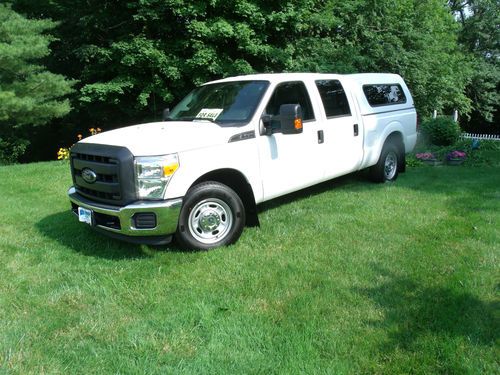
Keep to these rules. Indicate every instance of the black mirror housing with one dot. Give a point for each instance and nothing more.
(291, 118)
(266, 122)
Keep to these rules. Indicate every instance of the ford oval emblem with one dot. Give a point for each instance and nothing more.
(89, 176)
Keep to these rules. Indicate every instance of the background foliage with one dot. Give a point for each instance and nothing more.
(29, 95)
(133, 58)
(440, 131)
(480, 36)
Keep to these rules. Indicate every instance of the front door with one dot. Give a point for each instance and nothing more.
(289, 162)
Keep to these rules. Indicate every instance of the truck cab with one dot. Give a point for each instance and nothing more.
(234, 143)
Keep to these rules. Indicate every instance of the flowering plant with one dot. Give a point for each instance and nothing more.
(425, 156)
(63, 153)
(454, 155)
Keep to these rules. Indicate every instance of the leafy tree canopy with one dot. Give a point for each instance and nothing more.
(480, 35)
(134, 57)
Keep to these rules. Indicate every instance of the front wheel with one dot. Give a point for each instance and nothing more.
(387, 167)
(212, 215)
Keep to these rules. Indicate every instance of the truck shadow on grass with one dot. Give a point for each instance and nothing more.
(412, 313)
(64, 228)
(458, 185)
(357, 181)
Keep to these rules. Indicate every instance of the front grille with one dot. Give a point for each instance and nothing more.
(99, 194)
(113, 168)
(96, 158)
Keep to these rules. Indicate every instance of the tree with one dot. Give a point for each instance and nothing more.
(480, 35)
(134, 58)
(415, 38)
(29, 94)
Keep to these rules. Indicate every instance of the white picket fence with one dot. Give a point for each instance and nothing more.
(489, 137)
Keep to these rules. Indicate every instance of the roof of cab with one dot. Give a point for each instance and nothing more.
(360, 78)
(274, 77)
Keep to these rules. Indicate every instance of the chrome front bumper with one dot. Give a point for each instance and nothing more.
(167, 215)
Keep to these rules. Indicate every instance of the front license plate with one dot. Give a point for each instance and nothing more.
(85, 215)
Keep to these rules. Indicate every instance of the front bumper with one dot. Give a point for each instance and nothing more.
(119, 222)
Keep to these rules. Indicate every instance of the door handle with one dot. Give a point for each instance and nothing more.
(356, 130)
(321, 136)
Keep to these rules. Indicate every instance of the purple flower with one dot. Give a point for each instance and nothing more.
(425, 156)
(456, 155)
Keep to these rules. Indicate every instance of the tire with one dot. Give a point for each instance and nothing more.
(388, 165)
(212, 215)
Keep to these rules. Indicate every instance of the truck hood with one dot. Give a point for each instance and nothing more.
(159, 138)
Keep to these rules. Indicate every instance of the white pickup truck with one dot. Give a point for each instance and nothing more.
(234, 143)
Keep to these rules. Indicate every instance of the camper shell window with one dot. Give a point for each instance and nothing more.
(384, 94)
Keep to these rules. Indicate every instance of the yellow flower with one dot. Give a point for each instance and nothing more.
(63, 154)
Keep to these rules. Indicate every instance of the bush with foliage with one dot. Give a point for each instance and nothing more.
(135, 58)
(11, 148)
(440, 131)
(30, 95)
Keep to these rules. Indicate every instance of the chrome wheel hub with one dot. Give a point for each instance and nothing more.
(390, 165)
(210, 220)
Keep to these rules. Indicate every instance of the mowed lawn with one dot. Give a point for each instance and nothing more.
(346, 278)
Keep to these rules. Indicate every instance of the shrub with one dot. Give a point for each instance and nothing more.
(11, 148)
(441, 131)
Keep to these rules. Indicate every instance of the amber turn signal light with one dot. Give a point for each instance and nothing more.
(298, 123)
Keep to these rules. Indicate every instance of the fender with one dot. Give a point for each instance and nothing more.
(238, 156)
(377, 133)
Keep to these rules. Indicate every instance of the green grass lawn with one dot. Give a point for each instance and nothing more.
(346, 278)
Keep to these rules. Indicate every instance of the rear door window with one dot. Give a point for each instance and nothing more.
(334, 98)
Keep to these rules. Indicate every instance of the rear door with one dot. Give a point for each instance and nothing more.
(342, 128)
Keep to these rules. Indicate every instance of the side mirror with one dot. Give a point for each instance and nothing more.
(166, 113)
(291, 118)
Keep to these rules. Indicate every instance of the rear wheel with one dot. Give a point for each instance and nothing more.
(212, 215)
(387, 167)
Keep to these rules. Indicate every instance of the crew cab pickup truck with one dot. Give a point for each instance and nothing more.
(234, 143)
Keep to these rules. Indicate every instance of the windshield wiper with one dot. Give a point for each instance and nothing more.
(193, 118)
(205, 119)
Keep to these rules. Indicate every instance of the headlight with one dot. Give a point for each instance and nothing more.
(152, 174)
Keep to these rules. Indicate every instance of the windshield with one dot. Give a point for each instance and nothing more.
(222, 103)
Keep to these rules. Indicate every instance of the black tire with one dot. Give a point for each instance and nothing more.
(388, 165)
(212, 215)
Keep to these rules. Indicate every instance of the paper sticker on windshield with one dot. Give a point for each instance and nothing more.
(209, 113)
